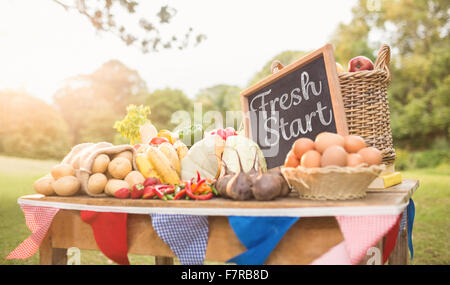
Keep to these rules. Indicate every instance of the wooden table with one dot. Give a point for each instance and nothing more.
(310, 237)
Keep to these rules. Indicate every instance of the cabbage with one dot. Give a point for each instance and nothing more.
(201, 157)
(247, 150)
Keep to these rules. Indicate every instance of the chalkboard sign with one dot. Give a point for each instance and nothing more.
(302, 99)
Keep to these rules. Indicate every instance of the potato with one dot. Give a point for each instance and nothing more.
(61, 170)
(66, 186)
(115, 184)
(125, 154)
(119, 167)
(44, 185)
(100, 163)
(97, 183)
(134, 177)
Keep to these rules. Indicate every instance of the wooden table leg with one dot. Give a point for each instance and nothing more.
(49, 255)
(163, 260)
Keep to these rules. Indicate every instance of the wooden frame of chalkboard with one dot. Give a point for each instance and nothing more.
(299, 82)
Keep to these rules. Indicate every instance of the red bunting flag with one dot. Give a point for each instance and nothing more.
(391, 240)
(110, 232)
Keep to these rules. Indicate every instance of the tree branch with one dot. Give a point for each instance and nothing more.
(102, 20)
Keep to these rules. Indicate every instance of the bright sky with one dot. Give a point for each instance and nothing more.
(41, 44)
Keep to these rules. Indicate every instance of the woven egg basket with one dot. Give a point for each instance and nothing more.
(366, 105)
(331, 182)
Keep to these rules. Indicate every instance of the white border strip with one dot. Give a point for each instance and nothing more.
(262, 212)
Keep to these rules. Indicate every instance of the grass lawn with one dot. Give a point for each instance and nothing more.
(431, 232)
(430, 235)
(16, 179)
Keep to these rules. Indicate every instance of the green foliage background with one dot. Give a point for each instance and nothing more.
(30, 127)
(165, 102)
(418, 34)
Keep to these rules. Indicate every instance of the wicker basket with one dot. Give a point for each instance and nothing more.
(367, 107)
(331, 182)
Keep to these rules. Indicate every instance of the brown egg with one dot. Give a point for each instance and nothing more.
(353, 144)
(301, 146)
(371, 155)
(334, 155)
(326, 139)
(310, 159)
(291, 160)
(354, 159)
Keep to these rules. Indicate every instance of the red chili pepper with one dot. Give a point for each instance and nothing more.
(188, 187)
(200, 197)
(198, 185)
(168, 191)
(205, 196)
(198, 176)
(165, 189)
(190, 194)
(197, 197)
(159, 193)
(180, 194)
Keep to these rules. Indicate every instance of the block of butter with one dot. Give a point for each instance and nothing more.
(386, 180)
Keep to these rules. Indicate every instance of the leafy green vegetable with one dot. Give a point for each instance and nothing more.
(135, 118)
(190, 135)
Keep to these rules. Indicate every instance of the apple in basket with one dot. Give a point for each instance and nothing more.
(360, 63)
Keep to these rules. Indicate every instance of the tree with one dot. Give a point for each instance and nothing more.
(31, 128)
(420, 71)
(352, 39)
(418, 33)
(224, 99)
(92, 103)
(286, 57)
(118, 84)
(164, 103)
(147, 35)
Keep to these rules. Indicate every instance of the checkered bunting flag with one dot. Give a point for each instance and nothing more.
(186, 235)
(38, 220)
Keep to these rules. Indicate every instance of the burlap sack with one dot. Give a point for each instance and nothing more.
(82, 156)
